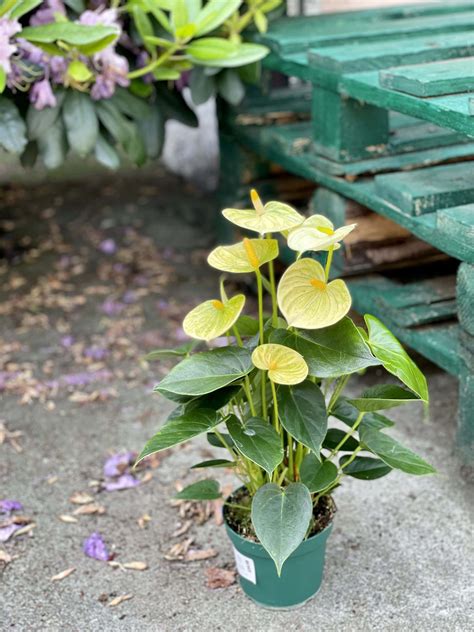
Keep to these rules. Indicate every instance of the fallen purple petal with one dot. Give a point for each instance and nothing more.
(7, 532)
(129, 297)
(67, 341)
(126, 481)
(96, 353)
(84, 378)
(110, 307)
(117, 464)
(94, 546)
(108, 246)
(8, 506)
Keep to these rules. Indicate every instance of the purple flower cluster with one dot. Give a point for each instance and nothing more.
(28, 68)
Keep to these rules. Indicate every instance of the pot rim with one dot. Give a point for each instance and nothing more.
(305, 544)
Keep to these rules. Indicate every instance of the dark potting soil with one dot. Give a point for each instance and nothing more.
(240, 522)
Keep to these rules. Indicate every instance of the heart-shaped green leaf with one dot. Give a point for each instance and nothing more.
(393, 453)
(207, 371)
(281, 518)
(302, 413)
(180, 429)
(257, 440)
(383, 396)
(202, 490)
(316, 475)
(348, 413)
(216, 441)
(365, 468)
(394, 358)
(329, 352)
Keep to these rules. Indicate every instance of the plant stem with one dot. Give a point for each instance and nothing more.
(351, 458)
(247, 387)
(347, 435)
(282, 476)
(340, 386)
(291, 466)
(262, 337)
(328, 262)
(271, 274)
(139, 72)
(276, 421)
(237, 506)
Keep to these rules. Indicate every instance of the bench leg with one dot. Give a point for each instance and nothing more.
(465, 305)
(465, 433)
(345, 129)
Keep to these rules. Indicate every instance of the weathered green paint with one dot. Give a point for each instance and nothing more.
(465, 297)
(362, 56)
(426, 190)
(458, 224)
(344, 129)
(448, 111)
(465, 432)
(431, 79)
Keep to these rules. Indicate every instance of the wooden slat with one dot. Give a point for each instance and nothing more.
(451, 111)
(292, 35)
(426, 190)
(361, 56)
(431, 79)
(458, 224)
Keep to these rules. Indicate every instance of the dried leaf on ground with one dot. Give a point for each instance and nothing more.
(143, 521)
(135, 566)
(5, 557)
(184, 528)
(219, 577)
(179, 550)
(11, 437)
(67, 518)
(90, 508)
(63, 574)
(81, 498)
(24, 530)
(118, 600)
(196, 555)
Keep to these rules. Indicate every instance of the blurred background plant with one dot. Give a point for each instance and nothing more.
(101, 78)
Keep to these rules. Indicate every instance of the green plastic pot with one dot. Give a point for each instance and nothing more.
(300, 579)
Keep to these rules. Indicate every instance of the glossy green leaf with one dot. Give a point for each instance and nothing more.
(152, 129)
(80, 120)
(230, 86)
(52, 145)
(178, 352)
(72, 33)
(257, 440)
(331, 351)
(247, 325)
(215, 13)
(213, 463)
(40, 121)
(181, 429)
(302, 413)
(394, 453)
(244, 53)
(333, 438)
(131, 105)
(202, 490)
(281, 518)
(144, 26)
(22, 8)
(394, 358)
(207, 371)
(105, 154)
(365, 468)
(315, 475)
(215, 400)
(383, 396)
(210, 48)
(202, 86)
(3, 79)
(12, 127)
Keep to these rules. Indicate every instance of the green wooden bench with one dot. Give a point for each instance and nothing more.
(381, 113)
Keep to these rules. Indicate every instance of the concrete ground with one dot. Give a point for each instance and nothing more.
(93, 276)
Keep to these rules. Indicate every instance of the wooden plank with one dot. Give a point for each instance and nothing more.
(426, 190)
(419, 293)
(465, 296)
(277, 148)
(458, 224)
(291, 35)
(362, 56)
(431, 79)
(451, 111)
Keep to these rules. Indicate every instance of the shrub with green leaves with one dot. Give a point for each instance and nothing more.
(270, 397)
(101, 78)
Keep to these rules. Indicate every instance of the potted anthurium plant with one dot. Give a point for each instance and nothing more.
(269, 396)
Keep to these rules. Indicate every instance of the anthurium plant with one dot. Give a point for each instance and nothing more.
(273, 397)
(100, 78)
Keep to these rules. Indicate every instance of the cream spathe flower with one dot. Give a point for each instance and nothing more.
(272, 217)
(246, 256)
(284, 365)
(213, 318)
(317, 233)
(306, 300)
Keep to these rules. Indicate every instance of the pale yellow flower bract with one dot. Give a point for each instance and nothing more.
(307, 301)
(214, 318)
(284, 365)
(317, 233)
(246, 256)
(272, 217)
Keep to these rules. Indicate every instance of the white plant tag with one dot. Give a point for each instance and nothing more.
(245, 566)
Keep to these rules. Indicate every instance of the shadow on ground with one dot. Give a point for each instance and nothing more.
(94, 275)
